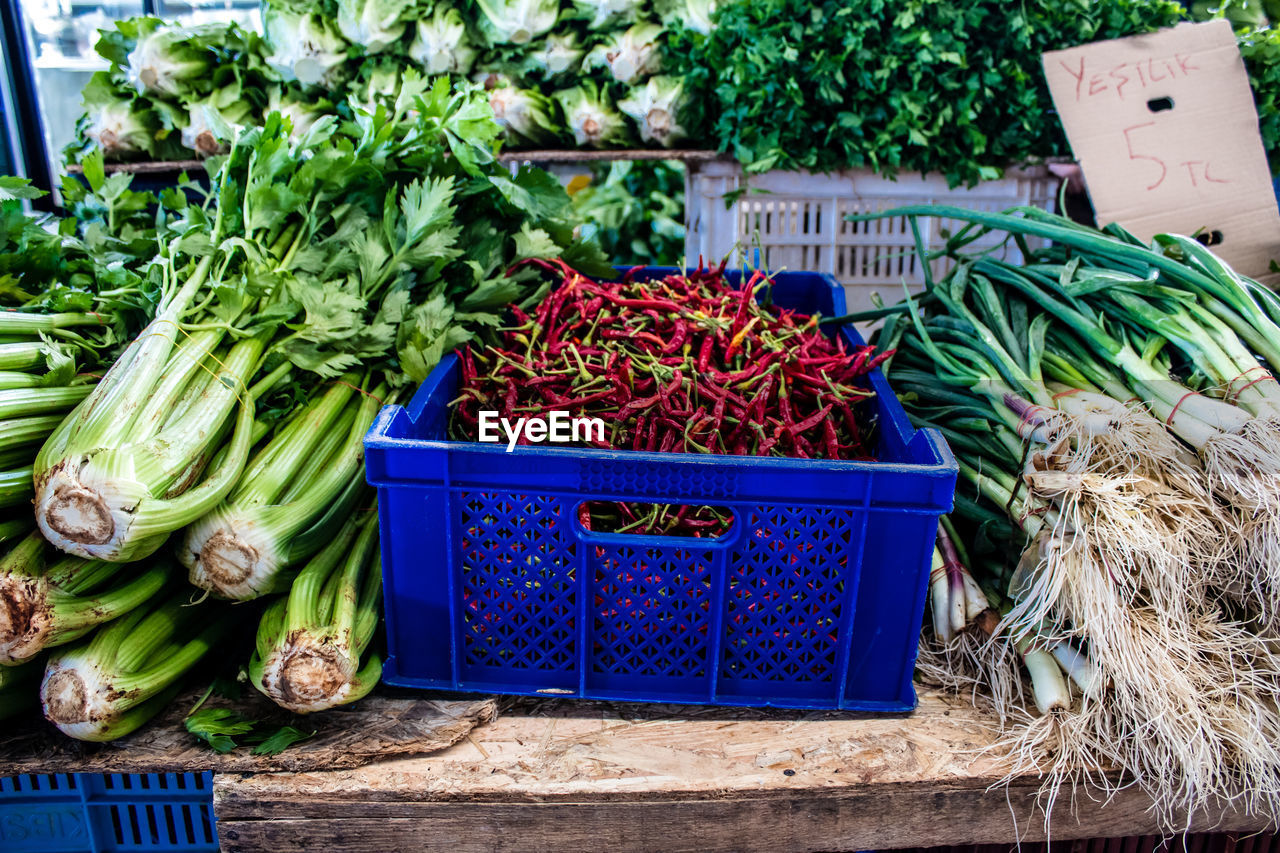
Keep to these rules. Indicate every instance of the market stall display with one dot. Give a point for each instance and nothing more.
(257, 326)
(250, 413)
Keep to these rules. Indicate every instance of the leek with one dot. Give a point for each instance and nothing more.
(313, 645)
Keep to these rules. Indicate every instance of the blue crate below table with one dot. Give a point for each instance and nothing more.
(104, 813)
(812, 600)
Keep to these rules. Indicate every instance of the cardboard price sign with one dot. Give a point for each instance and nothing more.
(1165, 129)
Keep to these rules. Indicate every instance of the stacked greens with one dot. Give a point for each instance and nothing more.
(558, 74)
(934, 86)
(636, 210)
(170, 91)
(1115, 416)
(70, 292)
(937, 87)
(312, 257)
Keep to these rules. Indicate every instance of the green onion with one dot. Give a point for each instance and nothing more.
(1143, 473)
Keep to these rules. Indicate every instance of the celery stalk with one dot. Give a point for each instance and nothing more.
(43, 604)
(289, 501)
(312, 649)
(109, 685)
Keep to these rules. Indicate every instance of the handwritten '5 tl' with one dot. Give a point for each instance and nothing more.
(1199, 171)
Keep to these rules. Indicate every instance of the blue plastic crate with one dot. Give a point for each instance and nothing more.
(812, 600)
(97, 813)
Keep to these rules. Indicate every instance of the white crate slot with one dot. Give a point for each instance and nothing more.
(796, 221)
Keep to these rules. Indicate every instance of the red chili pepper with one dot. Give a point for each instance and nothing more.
(739, 378)
(677, 339)
(829, 436)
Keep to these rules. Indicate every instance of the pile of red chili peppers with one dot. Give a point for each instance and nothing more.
(683, 364)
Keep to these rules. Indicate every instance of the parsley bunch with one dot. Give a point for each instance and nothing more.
(915, 86)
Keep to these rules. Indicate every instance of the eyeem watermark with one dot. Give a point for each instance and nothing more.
(556, 427)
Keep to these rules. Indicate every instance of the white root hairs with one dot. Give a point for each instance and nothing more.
(1064, 748)
(1244, 469)
(970, 664)
(1128, 568)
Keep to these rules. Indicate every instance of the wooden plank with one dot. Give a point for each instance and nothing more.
(636, 778)
(150, 167)
(376, 728)
(587, 156)
(806, 821)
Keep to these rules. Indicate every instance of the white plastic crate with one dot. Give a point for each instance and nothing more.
(796, 221)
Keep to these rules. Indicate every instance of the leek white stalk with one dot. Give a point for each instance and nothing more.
(1077, 665)
(313, 645)
(1047, 684)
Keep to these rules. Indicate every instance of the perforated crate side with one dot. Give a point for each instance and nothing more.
(106, 813)
(796, 221)
(813, 599)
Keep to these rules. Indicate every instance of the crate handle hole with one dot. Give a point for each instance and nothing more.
(642, 518)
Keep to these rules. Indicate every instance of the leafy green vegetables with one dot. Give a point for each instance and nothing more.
(922, 86)
(132, 667)
(225, 730)
(290, 500)
(244, 337)
(47, 602)
(1261, 51)
(179, 92)
(636, 210)
(307, 259)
